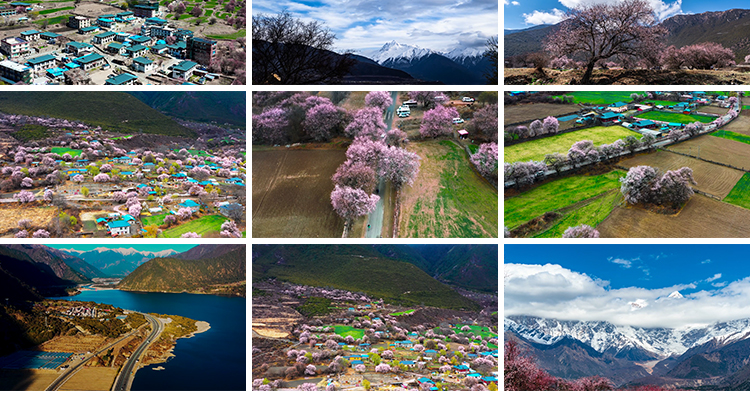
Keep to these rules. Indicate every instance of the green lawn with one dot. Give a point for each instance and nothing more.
(746, 107)
(556, 195)
(674, 117)
(209, 13)
(233, 36)
(731, 135)
(537, 149)
(60, 150)
(52, 21)
(123, 137)
(592, 214)
(482, 331)
(662, 102)
(401, 313)
(740, 194)
(196, 152)
(602, 97)
(50, 11)
(356, 333)
(153, 219)
(206, 224)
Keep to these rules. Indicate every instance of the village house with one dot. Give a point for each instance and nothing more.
(78, 22)
(184, 69)
(14, 47)
(104, 38)
(618, 107)
(30, 35)
(78, 48)
(41, 63)
(122, 79)
(90, 61)
(119, 227)
(142, 64)
(192, 205)
(135, 51)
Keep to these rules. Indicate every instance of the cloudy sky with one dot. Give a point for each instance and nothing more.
(365, 25)
(602, 282)
(520, 14)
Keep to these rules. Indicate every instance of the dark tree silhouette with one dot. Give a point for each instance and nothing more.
(491, 54)
(289, 51)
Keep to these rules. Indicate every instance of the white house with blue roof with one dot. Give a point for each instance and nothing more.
(119, 227)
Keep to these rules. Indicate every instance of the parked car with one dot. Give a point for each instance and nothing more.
(467, 99)
(457, 120)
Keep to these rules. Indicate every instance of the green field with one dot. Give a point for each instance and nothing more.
(592, 213)
(53, 10)
(123, 137)
(356, 333)
(233, 36)
(600, 97)
(54, 20)
(448, 199)
(662, 102)
(401, 313)
(674, 117)
(537, 149)
(740, 194)
(206, 224)
(482, 331)
(153, 219)
(60, 150)
(556, 195)
(731, 135)
(196, 152)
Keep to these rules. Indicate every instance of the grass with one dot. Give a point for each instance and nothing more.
(556, 195)
(473, 148)
(592, 214)
(356, 333)
(401, 313)
(209, 13)
(153, 220)
(740, 194)
(662, 102)
(60, 150)
(673, 117)
(233, 36)
(53, 10)
(731, 135)
(601, 97)
(53, 21)
(482, 331)
(537, 149)
(196, 152)
(203, 225)
(123, 137)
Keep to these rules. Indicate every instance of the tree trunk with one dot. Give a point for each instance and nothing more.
(587, 75)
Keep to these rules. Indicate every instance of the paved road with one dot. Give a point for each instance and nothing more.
(128, 370)
(375, 218)
(74, 368)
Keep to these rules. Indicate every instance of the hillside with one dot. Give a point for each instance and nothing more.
(472, 267)
(64, 265)
(116, 111)
(22, 278)
(115, 262)
(220, 107)
(171, 274)
(359, 268)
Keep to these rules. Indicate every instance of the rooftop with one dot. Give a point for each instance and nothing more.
(91, 57)
(13, 66)
(40, 59)
(185, 65)
(143, 60)
(121, 79)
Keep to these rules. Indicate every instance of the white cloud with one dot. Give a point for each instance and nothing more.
(555, 292)
(706, 261)
(662, 8)
(623, 262)
(544, 18)
(515, 3)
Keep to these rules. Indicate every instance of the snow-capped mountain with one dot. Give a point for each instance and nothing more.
(605, 337)
(117, 261)
(401, 52)
(461, 55)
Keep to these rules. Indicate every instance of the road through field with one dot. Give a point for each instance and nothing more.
(375, 218)
(127, 373)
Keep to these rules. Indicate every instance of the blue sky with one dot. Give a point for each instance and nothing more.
(139, 247)
(629, 284)
(521, 14)
(366, 25)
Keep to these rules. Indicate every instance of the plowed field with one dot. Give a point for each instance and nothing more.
(292, 193)
(741, 124)
(531, 112)
(710, 178)
(720, 150)
(702, 217)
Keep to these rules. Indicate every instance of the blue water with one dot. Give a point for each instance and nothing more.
(213, 360)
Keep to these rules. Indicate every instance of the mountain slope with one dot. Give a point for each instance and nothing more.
(117, 111)
(355, 268)
(223, 265)
(27, 279)
(116, 262)
(220, 107)
(473, 267)
(729, 28)
(53, 258)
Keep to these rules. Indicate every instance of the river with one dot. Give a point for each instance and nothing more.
(210, 361)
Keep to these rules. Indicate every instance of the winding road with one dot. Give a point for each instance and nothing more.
(127, 372)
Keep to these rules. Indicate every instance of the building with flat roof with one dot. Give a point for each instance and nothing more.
(15, 72)
(201, 50)
(5, 11)
(122, 79)
(145, 11)
(78, 22)
(14, 47)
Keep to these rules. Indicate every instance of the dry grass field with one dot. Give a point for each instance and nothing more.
(702, 217)
(712, 109)
(741, 124)
(39, 216)
(26, 379)
(91, 379)
(292, 193)
(73, 343)
(710, 178)
(717, 149)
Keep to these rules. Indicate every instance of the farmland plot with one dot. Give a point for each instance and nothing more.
(531, 112)
(712, 109)
(720, 150)
(537, 149)
(710, 178)
(741, 124)
(291, 193)
(702, 217)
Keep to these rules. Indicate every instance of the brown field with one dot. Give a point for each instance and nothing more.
(527, 76)
(91, 379)
(355, 101)
(702, 217)
(741, 124)
(26, 379)
(39, 217)
(531, 112)
(73, 343)
(712, 109)
(710, 178)
(291, 193)
(720, 150)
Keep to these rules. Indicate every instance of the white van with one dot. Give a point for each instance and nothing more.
(403, 111)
